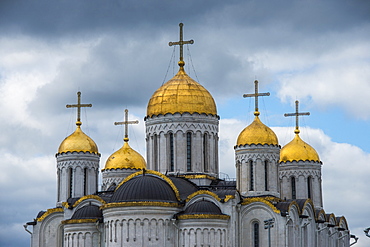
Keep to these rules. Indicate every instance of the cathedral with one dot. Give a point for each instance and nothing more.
(175, 198)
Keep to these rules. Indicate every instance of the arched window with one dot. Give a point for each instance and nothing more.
(266, 175)
(172, 158)
(309, 187)
(251, 176)
(256, 234)
(70, 182)
(188, 151)
(294, 192)
(205, 152)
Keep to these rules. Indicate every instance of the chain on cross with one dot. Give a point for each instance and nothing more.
(126, 123)
(181, 43)
(256, 95)
(79, 105)
(296, 114)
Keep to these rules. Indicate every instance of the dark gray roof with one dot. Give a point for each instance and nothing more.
(88, 212)
(144, 188)
(203, 207)
(184, 186)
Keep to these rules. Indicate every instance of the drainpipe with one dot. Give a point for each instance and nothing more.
(356, 239)
(25, 228)
(367, 232)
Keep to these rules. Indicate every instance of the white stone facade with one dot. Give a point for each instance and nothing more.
(139, 226)
(307, 181)
(77, 174)
(168, 147)
(257, 170)
(82, 234)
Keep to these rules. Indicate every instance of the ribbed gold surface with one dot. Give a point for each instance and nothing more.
(181, 94)
(125, 158)
(297, 150)
(78, 141)
(257, 133)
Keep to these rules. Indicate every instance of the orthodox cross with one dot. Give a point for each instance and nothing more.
(79, 105)
(181, 43)
(126, 123)
(296, 114)
(256, 95)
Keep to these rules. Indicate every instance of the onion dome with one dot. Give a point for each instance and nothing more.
(144, 188)
(181, 94)
(257, 133)
(297, 150)
(78, 141)
(125, 158)
(88, 212)
(203, 207)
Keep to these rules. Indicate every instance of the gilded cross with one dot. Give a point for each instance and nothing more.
(296, 114)
(126, 123)
(79, 105)
(181, 43)
(256, 95)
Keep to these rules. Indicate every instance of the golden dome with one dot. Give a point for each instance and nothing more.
(257, 133)
(125, 157)
(78, 141)
(181, 94)
(297, 150)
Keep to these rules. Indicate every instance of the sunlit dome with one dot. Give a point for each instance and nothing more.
(257, 133)
(297, 150)
(179, 95)
(125, 158)
(78, 141)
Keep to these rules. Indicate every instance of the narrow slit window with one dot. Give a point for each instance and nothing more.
(294, 195)
(256, 234)
(251, 176)
(70, 182)
(172, 158)
(155, 150)
(85, 181)
(205, 151)
(188, 151)
(266, 175)
(309, 186)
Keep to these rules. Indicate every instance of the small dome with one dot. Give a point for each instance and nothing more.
(297, 150)
(203, 207)
(144, 187)
(87, 212)
(78, 141)
(257, 133)
(181, 94)
(125, 158)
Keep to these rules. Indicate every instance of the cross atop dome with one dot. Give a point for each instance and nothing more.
(126, 123)
(296, 114)
(181, 43)
(79, 105)
(256, 95)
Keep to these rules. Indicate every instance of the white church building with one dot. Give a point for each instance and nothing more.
(175, 197)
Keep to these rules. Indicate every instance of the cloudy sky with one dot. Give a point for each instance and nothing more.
(116, 53)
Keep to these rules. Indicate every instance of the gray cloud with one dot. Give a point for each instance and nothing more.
(117, 54)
